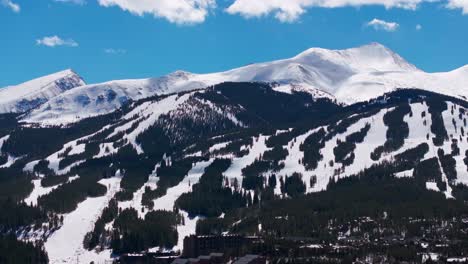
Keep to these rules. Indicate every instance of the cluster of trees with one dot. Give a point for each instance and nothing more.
(373, 193)
(316, 141)
(8, 123)
(13, 251)
(66, 198)
(253, 174)
(169, 176)
(53, 180)
(466, 158)
(283, 138)
(311, 148)
(435, 108)
(270, 161)
(282, 108)
(237, 147)
(3, 158)
(91, 149)
(204, 144)
(293, 186)
(448, 163)
(277, 154)
(429, 171)
(209, 197)
(455, 148)
(198, 118)
(98, 236)
(135, 170)
(18, 214)
(397, 131)
(15, 184)
(344, 150)
(410, 158)
(42, 167)
(133, 234)
(38, 142)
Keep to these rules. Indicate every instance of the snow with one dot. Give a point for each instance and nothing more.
(351, 75)
(30, 166)
(218, 146)
(66, 244)
(189, 228)
(12, 98)
(41, 191)
(195, 154)
(11, 160)
(3, 140)
(226, 114)
(292, 161)
(432, 186)
(167, 201)
(77, 149)
(135, 203)
(430, 256)
(151, 113)
(38, 191)
(54, 163)
(404, 174)
(454, 131)
(235, 170)
(106, 149)
(458, 260)
(376, 136)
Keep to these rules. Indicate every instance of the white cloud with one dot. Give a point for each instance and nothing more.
(291, 10)
(115, 51)
(378, 24)
(54, 41)
(13, 6)
(418, 27)
(459, 4)
(175, 11)
(76, 2)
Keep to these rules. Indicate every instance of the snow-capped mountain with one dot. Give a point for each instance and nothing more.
(26, 96)
(348, 76)
(186, 152)
(156, 153)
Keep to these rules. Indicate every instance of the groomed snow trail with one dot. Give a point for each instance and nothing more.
(66, 244)
(167, 201)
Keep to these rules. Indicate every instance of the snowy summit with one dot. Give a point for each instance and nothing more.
(347, 76)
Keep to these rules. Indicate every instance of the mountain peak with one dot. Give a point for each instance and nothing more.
(370, 57)
(370, 46)
(68, 72)
(375, 45)
(181, 74)
(30, 94)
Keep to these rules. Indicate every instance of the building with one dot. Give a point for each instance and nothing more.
(251, 259)
(233, 245)
(213, 258)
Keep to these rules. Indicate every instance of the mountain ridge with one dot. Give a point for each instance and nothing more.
(347, 76)
(28, 95)
(202, 155)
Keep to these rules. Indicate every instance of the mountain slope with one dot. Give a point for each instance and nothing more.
(348, 76)
(202, 153)
(175, 156)
(26, 96)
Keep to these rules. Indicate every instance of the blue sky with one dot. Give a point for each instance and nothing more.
(114, 39)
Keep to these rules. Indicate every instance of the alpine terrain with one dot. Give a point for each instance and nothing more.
(336, 155)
